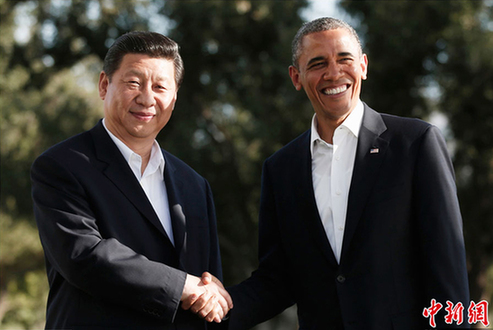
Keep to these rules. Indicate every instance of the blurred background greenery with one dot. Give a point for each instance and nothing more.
(427, 59)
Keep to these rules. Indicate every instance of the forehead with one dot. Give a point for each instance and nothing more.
(329, 41)
(144, 64)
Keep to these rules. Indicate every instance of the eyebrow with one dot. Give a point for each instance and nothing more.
(141, 74)
(344, 54)
(133, 73)
(320, 58)
(315, 59)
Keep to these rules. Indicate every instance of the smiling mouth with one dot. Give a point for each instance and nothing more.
(143, 116)
(336, 90)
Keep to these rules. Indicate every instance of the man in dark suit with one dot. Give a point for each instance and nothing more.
(127, 227)
(359, 220)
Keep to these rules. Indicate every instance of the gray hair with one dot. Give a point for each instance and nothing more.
(319, 25)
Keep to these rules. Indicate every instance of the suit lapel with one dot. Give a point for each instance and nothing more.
(175, 201)
(313, 219)
(118, 171)
(370, 153)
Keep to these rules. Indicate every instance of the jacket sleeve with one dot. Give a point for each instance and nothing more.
(437, 212)
(75, 248)
(266, 293)
(215, 256)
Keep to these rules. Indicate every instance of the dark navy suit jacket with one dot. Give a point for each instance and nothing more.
(110, 263)
(403, 242)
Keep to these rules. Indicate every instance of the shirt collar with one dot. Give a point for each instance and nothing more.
(156, 160)
(352, 123)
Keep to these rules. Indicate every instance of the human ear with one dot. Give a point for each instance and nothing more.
(295, 77)
(364, 66)
(104, 81)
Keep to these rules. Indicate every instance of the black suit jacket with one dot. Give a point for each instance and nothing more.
(403, 243)
(109, 261)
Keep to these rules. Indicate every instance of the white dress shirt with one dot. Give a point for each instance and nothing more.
(332, 169)
(152, 181)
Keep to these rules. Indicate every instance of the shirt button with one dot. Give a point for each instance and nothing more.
(338, 192)
(341, 228)
(338, 157)
(341, 279)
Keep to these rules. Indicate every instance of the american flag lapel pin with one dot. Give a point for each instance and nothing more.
(374, 150)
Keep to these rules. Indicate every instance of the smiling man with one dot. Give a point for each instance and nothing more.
(359, 220)
(330, 68)
(126, 227)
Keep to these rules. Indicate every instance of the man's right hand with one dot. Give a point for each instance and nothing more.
(206, 297)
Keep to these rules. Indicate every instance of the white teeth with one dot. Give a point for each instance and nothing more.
(334, 91)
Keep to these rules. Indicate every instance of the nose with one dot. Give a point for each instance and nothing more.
(332, 71)
(146, 97)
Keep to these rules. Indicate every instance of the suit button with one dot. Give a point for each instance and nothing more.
(341, 279)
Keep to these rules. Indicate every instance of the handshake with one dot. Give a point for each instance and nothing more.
(206, 297)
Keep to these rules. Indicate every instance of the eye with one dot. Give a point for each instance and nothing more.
(160, 88)
(133, 83)
(316, 65)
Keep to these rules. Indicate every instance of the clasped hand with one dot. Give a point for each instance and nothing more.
(206, 297)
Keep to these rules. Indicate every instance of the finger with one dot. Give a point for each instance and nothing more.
(201, 302)
(207, 278)
(221, 289)
(219, 315)
(223, 304)
(217, 281)
(228, 298)
(215, 315)
(187, 303)
(208, 308)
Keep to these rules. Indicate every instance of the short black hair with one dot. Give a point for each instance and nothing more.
(152, 44)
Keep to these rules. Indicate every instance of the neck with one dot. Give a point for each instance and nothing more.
(144, 152)
(327, 126)
(141, 146)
